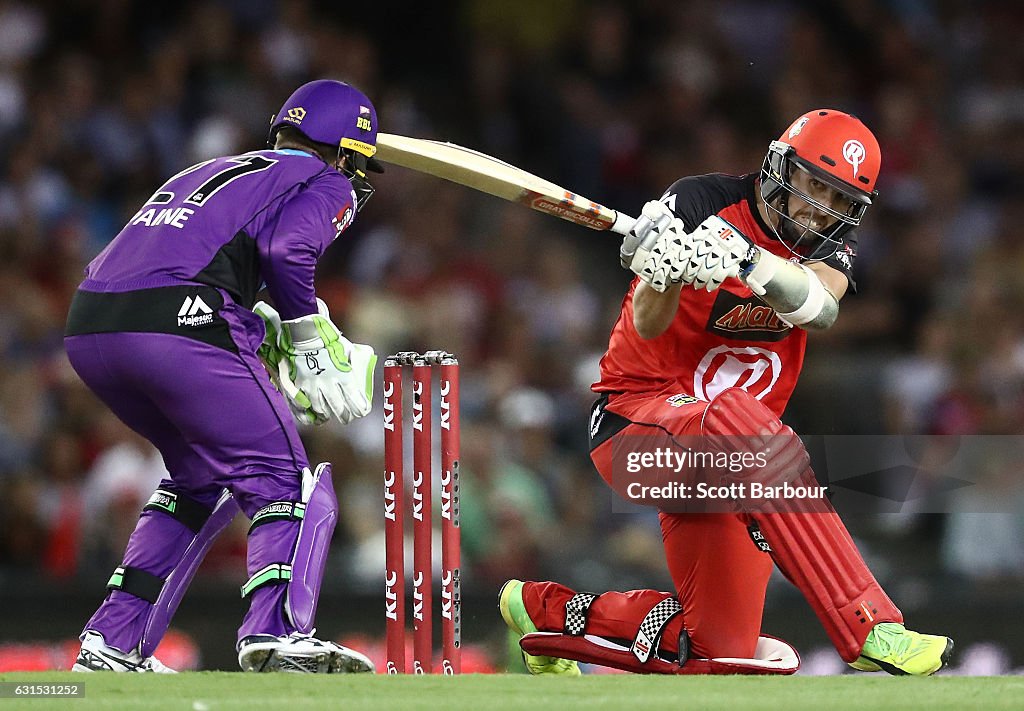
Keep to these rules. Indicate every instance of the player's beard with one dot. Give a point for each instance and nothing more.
(804, 241)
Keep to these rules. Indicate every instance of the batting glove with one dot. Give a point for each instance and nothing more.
(637, 245)
(720, 251)
(668, 258)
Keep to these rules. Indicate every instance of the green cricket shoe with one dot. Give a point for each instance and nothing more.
(513, 611)
(892, 648)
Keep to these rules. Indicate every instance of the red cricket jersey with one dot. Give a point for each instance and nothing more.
(718, 340)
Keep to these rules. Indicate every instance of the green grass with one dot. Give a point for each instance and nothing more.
(216, 691)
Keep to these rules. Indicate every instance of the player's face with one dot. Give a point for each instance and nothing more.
(811, 216)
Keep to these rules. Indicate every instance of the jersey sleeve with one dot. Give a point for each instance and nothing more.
(843, 258)
(291, 245)
(693, 200)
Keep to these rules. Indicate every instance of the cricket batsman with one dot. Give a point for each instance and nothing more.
(165, 331)
(731, 274)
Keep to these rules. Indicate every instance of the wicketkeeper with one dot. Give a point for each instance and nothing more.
(731, 274)
(163, 330)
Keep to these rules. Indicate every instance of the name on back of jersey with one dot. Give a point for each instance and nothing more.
(154, 217)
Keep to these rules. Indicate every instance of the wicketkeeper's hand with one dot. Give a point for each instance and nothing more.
(272, 357)
(332, 372)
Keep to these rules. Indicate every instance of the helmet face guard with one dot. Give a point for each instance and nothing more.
(835, 149)
(354, 168)
(338, 116)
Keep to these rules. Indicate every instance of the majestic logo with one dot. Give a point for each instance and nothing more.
(798, 127)
(854, 154)
(296, 115)
(745, 319)
(756, 370)
(195, 312)
(595, 421)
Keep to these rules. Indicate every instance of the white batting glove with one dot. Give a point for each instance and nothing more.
(720, 251)
(668, 258)
(637, 245)
(332, 376)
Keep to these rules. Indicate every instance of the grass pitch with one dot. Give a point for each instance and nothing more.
(221, 691)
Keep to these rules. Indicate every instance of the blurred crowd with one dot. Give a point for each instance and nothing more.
(101, 100)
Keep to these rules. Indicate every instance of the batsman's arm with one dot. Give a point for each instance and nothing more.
(803, 295)
(653, 311)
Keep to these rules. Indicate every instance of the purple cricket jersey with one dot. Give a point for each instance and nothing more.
(233, 222)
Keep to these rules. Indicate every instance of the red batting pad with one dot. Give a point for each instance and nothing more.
(813, 550)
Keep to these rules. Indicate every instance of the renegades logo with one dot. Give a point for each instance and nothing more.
(749, 319)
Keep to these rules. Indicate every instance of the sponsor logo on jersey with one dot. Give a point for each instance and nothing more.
(681, 399)
(745, 319)
(194, 312)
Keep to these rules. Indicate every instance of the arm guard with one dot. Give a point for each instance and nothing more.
(794, 291)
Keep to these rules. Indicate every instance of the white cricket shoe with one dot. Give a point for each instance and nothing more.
(299, 653)
(95, 655)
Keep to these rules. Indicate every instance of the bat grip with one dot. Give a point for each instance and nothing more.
(623, 223)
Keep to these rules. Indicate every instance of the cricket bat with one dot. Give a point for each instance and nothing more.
(489, 175)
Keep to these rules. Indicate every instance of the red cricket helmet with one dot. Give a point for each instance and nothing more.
(837, 149)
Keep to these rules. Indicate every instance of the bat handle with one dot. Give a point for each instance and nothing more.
(623, 223)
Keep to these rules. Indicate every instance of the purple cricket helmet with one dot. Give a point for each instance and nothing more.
(336, 114)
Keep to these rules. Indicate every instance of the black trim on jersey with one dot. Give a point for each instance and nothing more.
(236, 269)
(604, 424)
(152, 311)
(698, 197)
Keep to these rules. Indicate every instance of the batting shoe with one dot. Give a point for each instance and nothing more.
(893, 648)
(96, 656)
(513, 611)
(300, 654)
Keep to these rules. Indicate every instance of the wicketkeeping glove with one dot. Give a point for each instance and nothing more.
(272, 357)
(335, 374)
